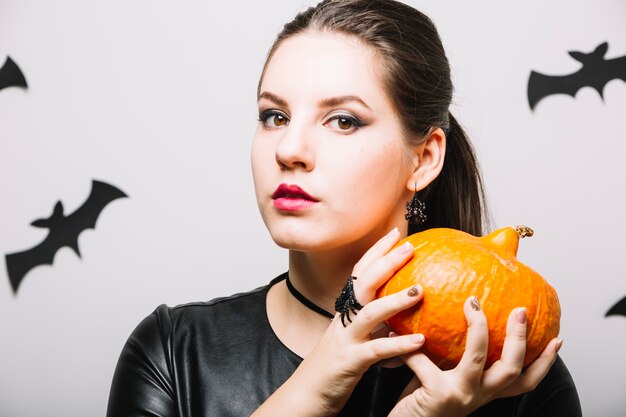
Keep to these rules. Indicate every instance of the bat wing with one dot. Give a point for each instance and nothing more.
(618, 309)
(11, 75)
(615, 68)
(19, 263)
(541, 86)
(85, 216)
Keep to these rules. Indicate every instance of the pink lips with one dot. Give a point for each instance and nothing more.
(292, 198)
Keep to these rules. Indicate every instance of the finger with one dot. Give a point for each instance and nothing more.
(424, 369)
(380, 248)
(392, 362)
(536, 371)
(473, 360)
(368, 318)
(380, 271)
(389, 347)
(508, 368)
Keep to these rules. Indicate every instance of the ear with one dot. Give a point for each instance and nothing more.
(428, 157)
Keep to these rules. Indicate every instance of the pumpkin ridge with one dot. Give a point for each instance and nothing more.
(538, 313)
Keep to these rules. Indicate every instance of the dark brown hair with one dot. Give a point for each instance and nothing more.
(416, 76)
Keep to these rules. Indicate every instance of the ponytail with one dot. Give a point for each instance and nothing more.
(456, 198)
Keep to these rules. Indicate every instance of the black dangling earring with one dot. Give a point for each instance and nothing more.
(415, 210)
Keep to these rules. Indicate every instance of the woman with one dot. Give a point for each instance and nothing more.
(353, 124)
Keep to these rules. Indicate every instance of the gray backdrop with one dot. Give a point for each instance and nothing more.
(158, 99)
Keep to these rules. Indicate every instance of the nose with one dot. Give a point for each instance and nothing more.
(295, 150)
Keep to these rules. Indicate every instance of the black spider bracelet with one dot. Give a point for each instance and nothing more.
(346, 302)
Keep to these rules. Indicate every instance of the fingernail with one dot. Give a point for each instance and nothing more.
(418, 339)
(475, 303)
(393, 334)
(559, 343)
(405, 248)
(393, 231)
(413, 292)
(520, 315)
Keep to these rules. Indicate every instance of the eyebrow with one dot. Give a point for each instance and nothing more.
(335, 101)
(272, 97)
(327, 102)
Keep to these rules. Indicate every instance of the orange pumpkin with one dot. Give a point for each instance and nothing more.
(451, 266)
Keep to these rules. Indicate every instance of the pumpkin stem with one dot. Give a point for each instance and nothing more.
(523, 231)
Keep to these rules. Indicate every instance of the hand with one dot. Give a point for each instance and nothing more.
(334, 367)
(459, 391)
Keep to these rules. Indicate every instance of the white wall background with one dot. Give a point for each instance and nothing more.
(158, 99)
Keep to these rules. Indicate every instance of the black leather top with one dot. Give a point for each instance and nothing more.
(221, 358)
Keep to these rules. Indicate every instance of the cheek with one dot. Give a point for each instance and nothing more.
(261, 158)
(260, 174)
(373, 178)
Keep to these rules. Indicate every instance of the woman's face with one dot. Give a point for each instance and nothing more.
(330, 162)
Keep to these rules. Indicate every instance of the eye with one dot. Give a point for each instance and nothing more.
(344, 123)
(273, 118)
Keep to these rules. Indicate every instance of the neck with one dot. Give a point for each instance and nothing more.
(319, 276)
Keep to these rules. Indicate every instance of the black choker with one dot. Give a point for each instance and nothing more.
(306, 301)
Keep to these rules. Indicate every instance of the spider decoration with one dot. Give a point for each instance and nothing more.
(346, 302)
(415, 209)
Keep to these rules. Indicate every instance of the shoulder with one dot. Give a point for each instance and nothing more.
(183, 348)
(231, 316)
(555, 395)
(202, 310)
(229, 312)
(158, 337)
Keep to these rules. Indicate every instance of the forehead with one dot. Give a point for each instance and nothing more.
(323, 64)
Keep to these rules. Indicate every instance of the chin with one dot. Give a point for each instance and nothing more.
(296, 241)
(316, 239)
(302, 239)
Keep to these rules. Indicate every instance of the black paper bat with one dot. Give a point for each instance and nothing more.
(618, 309)
(63, 231)
(11, 75)
(596, 72)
